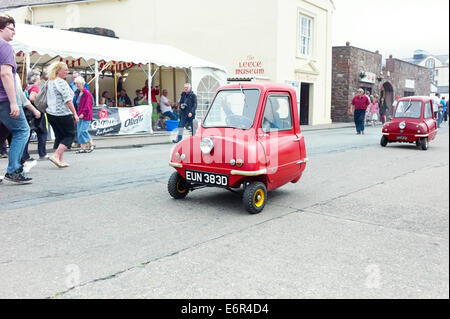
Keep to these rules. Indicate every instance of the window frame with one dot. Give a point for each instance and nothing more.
(273, 130)
(309, 50)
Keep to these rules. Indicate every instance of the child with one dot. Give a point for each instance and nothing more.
(373, 111)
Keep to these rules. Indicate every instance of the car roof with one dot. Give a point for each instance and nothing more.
(416, 97)
(263, 86)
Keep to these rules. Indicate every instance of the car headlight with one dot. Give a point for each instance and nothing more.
(206, 145)
(402, 125)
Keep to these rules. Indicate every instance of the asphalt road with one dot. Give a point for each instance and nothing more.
(363, 222)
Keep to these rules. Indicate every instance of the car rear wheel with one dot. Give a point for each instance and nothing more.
(177, 186)
(424, 143)
(255, 196)
(384, 141)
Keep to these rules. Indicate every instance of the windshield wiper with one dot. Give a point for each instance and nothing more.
(409, 105)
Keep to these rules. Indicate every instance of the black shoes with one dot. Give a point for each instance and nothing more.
(18, 177)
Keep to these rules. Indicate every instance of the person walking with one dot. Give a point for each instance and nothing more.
(84, 102)
(374, 109)
(11, 115)
(60, 111)
(188, 106)
(442, 109)
(358, 108)
(39, 124)
(383, 110)
(446, 113)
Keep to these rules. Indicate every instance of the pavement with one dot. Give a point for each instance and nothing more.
(163, 137)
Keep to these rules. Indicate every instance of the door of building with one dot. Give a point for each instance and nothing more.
(304, 103)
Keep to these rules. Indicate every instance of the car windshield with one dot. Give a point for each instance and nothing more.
(233, 108)
(408, 109)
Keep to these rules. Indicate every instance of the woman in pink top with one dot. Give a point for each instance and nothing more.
(84, 102)
(374, 109)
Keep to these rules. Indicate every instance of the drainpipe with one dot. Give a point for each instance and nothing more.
(32, 15)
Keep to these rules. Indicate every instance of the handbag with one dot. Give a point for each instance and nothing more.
(41, 99)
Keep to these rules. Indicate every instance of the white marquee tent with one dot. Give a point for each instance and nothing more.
(41, 46)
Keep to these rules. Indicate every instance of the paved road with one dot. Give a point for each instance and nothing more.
(364, 221)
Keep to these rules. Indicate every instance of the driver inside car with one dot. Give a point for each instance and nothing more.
(272, 118)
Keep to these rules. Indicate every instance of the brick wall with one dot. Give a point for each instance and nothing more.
(348, 62)
(400, 71)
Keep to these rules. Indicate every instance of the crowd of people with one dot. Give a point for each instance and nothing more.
(367, 108)
(50, 100)
(67, 107)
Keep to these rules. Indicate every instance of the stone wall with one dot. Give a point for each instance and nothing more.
(402, 72)
(348, 62)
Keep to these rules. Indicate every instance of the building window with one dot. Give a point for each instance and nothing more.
(205, 94)
(305, 33)
(430, 64)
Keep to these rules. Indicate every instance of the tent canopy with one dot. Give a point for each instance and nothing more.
(76, 45)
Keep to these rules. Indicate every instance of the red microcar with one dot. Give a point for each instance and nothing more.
(249, 138)
(413, 122)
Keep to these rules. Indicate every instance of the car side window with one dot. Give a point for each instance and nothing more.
(277, 114)
(428, 111)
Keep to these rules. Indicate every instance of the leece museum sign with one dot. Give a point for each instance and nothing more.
(250, 66)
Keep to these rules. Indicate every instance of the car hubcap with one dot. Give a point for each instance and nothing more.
(259, 198)
(180, 187)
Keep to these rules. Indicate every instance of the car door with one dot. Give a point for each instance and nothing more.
(279, 140)
(428, 117)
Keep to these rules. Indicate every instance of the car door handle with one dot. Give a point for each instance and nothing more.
(298, 139)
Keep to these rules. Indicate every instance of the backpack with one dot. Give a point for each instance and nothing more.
(41, 98)
(27, 91)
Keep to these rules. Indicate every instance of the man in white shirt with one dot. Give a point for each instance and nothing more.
(166, 107)
(436, 103)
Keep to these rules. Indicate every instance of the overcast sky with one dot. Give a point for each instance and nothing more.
(396, 27)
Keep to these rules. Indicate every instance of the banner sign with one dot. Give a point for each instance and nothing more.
(120, 121)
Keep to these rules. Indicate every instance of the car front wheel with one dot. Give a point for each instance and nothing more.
(424, 143)
(177, 186)
(255, 196)
(384, 141)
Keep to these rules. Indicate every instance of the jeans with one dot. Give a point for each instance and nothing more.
(83, 131)
(173, 116)
(20, 133)
(440, 118)
(183, 121)
(359, 120)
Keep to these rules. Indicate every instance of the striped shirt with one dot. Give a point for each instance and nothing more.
(58, 94)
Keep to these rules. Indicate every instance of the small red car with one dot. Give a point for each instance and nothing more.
(249, 138)
(413, 122)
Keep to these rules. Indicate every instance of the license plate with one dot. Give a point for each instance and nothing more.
(402, 138)
(206, 178)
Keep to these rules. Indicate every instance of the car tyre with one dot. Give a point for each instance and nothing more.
(255, 195)
(177, 186)
(384, 141)
(424, 143)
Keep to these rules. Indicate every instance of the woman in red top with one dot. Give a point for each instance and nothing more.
(84, 102)
(358, 108)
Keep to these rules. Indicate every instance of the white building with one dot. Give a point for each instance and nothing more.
(284, 41)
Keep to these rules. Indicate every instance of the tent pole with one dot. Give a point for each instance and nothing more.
(150, 79)
(115, 82)
(23, 68)
(28, 59)
(96, 83)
